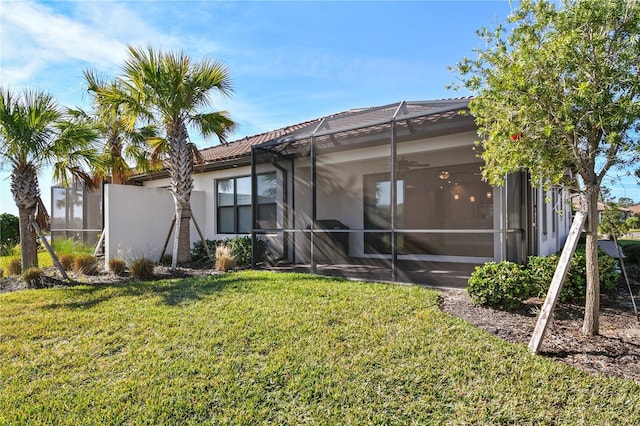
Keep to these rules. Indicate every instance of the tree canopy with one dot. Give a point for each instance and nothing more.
(558, 95)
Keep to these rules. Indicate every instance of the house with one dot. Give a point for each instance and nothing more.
(392, 193)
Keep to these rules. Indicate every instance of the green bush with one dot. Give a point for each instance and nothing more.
(499, 284)
(241, 247)
(540, 270)
(117, 266)
(9, 233)
(506, 284)
(142, 269)
(577, 276)
(632, 253)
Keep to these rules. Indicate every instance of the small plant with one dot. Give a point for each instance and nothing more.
(14, 267)
(225, 259)
(85, 264)
(1, 272)
(67, 261)
(166, 260)
(117, 266)
(142, 269)
(199, 253)
(70, 246)
(32, 277)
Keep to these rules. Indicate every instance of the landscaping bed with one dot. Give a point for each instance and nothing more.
(615, 352)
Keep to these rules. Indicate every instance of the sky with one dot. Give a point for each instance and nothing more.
(289, 61)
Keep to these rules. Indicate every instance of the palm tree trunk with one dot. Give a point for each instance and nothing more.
(25, 191)
(181, 171)
(28, 244)
(591, 324)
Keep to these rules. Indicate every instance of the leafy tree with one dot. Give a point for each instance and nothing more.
(633, 222)
(9, 232)
(36, 132)
(125, 148)
(612, 221)
(169, 89)
(558, 95)
(626, 202)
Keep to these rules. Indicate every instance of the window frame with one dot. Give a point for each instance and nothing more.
(238, 227)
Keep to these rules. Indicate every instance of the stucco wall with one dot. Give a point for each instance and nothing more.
(137, 221)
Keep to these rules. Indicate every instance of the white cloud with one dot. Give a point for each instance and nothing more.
(92, 34)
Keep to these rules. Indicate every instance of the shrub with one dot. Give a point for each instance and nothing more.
(85, 264)
(142, 269)
(499, 284)
(32, 277)
(225, 259)
(9, 233)
(117, 266)
(506, 284)
(67, 261)
(241, 247)
(632, 253)
(540, 270)
(14, 267)
(577, 277)
(199, 253)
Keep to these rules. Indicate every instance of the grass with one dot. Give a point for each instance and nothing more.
(44, 260)
(266, 348)
(61, 248)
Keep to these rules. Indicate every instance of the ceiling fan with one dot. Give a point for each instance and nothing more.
(404, 165)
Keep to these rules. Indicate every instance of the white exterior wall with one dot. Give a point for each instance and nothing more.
(552, 210)
(137, 221)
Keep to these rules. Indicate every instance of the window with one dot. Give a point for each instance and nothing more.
(234, 204)
(430, 199)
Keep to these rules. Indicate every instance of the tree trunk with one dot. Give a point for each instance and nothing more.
(591, 323)
(25, 192)
(181, 171)
(28, 244)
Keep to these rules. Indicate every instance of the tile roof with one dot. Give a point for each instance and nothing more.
(242, 147)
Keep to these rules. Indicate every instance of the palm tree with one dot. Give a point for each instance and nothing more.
(171, 90)
(126, 148)
(36, 132)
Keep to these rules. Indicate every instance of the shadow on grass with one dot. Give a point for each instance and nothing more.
(172, 291)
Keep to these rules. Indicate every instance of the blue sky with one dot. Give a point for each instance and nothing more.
(290, 61)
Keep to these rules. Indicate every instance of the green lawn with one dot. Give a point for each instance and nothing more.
(257, 348)
(44, 260)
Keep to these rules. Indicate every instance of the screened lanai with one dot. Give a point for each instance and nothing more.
(392, 193)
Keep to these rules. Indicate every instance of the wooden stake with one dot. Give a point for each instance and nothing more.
(556, 283)
(204, 242)
(166, 242)
(50, 250)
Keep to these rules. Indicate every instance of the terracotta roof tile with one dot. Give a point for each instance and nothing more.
(242, 147)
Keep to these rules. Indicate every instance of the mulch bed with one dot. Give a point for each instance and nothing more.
(615, 352)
